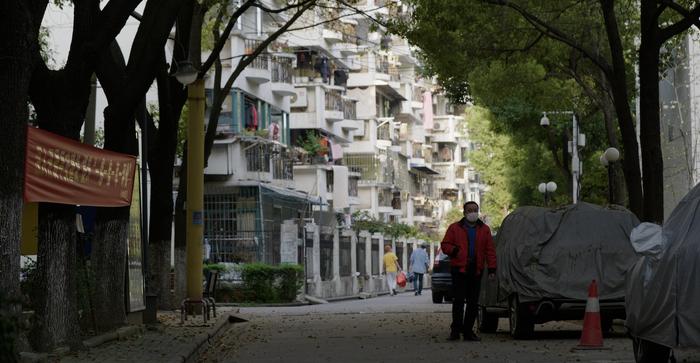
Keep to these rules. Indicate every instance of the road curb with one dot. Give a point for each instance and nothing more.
(204, 340)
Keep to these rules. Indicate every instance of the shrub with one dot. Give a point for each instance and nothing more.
(271, 283)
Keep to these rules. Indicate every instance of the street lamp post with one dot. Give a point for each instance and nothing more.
(578, 141)
(187, 75)
(547, 189)
(608, 157)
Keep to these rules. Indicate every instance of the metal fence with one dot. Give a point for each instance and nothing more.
(258, 158)
(375, 256)
(361, 257)
(345, 255)
(350, 110)
(281, 68)
(334, 101)
(231, 223)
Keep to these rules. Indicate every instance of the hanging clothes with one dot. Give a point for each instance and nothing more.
(251, 117)
(304, 59)
(274, 131)
(340, 77)
(323, 67)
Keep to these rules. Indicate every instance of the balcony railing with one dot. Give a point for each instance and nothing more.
(350, 110)
(382, 65)
(334, 101)
(417, 95)
(394, 73)
(260, 62)
(384, 132)
(258, 158)
(371, 169)
(352, 187)
(282, 168)
(281, 70)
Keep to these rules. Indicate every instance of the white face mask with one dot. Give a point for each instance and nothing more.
(472, 217)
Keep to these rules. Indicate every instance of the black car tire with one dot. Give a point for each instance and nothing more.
(606, 325)
(488, 323)
(521, 324)
(437, 297)
(650, 352)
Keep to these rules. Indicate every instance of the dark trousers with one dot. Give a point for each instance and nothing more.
(465, 286)
(418, 282)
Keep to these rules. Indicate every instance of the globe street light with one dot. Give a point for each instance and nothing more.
(547, 189)
(608, 157)
(578, 141)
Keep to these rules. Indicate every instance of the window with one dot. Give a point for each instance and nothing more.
(329, 181)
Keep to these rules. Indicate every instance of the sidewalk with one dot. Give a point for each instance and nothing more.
(171, 341)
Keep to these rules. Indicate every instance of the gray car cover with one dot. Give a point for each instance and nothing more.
(556, 253)
(666, 309)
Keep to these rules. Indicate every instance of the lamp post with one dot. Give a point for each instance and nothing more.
(547, 189)
(578, 141)
(187, 75)
(608, 157)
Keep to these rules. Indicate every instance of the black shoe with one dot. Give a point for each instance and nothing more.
(394, 291)
(453, 337)
(471, 337)
(416, 294)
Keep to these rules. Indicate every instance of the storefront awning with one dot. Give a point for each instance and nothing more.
(294, 194)
(424, 169)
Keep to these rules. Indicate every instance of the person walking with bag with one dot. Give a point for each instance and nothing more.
(470, 247)
(392, 267)
(419, 264)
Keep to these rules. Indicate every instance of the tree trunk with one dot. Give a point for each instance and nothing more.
(57, 299)
(108, 264)
(181, 233)
(617, 77)
(15, 74)
(650, 129)
(161, 161)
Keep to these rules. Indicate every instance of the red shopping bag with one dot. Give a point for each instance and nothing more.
(401, 279)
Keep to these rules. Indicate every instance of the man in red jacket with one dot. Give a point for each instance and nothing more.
(469, 245)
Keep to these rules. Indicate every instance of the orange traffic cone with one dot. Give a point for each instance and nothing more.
(592, 335)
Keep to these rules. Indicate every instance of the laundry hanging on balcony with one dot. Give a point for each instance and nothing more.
(336, 152)
(274, 131)
(322, 66)
(251, 117)
(340, 77)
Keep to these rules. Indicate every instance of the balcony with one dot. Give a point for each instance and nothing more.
(332, 36)
(373, 169)
(281, 76)
(334, 106)
(251, 158)
(258, 71)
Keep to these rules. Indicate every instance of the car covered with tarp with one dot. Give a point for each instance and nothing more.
(547, 259)
(663, 287)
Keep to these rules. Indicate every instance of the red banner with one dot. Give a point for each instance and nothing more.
(61, 170)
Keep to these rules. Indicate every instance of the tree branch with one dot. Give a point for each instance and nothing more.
(244, 62)
(554, 33)
(690, 18)
(219, 45)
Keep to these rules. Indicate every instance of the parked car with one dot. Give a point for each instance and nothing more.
(547, 258)
(663, 288)
(441, 278)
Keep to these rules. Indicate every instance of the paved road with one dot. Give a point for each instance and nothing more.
(403, 328)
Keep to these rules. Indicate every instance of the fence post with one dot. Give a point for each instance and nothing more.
(353, 262)
(336, 261)
(318, 287)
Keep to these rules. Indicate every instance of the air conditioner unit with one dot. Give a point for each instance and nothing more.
(437, 126)
(299, 99)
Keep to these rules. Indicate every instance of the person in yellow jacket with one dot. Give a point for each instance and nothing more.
(392, 267)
